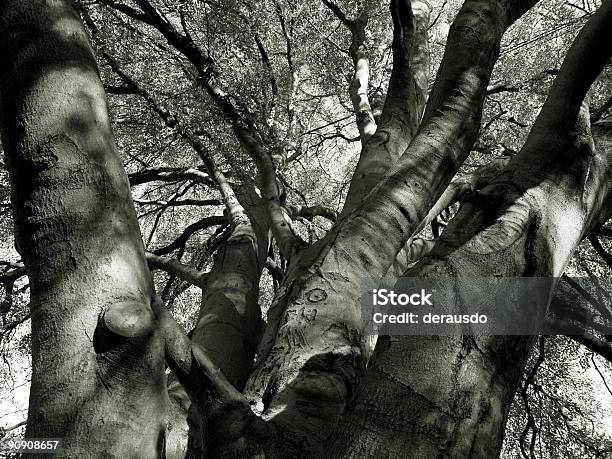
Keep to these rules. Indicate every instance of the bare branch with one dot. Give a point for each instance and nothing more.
(11, 428)
(14, 271)
(603, 379)
(175, 268)
(338, 13)
(287, 33)
(184, 202)
(266, 61)
(12, 264)
(437, 18)
(531, 425)
(607, 258)
(312, 211)
(169, 174)
(242, 122)
(127, 10)
(13, 325)
(500, 87)
(202, 224)
(600, 346)
(404, 103)
(235, 210)
(184, 43)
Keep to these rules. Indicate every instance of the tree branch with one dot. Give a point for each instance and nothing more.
(127, 10)
(184, 202)
(184, 43)
(338, 13)
(169, 174)
(589, 298)
(208, 388)
(404, 103)
(408, 84)
(358, 86)
(500, 87)
(14, 271)
(366, 242)
(11, 428)
(595, 344)
(603, 378)
(268, 65)
(175, 268)
(607, 258)
(202, 224)
(242, 122)
(312, 211)
(531, 425)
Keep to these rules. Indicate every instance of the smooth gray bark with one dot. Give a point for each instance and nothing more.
(98, 376)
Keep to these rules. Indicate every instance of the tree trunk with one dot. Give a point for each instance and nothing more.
(450, 396)
(98, 340)
(230, 325)
(98, 377)
(313, 352)
(404, 102)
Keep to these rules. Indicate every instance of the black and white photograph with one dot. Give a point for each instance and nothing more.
(290, 229)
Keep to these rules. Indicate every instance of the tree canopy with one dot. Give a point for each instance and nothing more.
(253, 131)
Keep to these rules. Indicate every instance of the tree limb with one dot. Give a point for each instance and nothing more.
(599, 346)
(404, 103)
(606, 257)
(309, 212)
(207, 386)
(338, 13)
(201, 224)
(241, 120)
(169, 174)
(184, 202)
(500, 87)
(175, 268)
(358, 86)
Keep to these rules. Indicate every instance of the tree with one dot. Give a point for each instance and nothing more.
(93, 303)
(78, 235)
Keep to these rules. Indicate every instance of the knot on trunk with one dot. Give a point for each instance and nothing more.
(129, 319)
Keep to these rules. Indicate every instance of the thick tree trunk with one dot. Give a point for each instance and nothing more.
(98, 377)
(99, 341)
(452, 394)
(433, 397)
(313, 352)
(230, 325)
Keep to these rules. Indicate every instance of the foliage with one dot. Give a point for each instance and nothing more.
(286, 65)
